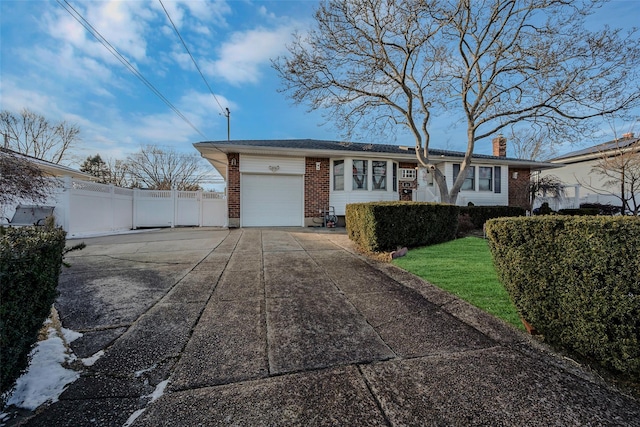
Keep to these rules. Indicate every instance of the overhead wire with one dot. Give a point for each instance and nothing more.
(95, 33)
(175, 28)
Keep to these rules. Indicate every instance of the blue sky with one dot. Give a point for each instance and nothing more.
(52, 65)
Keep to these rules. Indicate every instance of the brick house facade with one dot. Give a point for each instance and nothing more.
(316, 186)
(291, 182)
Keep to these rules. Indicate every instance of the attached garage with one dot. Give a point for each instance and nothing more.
(271, 200)
(272, 191)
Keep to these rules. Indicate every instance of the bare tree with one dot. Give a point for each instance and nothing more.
(165, 169)
(119, 174)
(618, 168)
(32, 134)
(530, 143)
(21, 179)
(375, 64)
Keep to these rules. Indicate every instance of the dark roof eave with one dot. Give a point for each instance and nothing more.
(319, 148)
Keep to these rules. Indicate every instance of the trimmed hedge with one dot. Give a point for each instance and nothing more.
(576, 280)
(385, 226)
(481, 214)
(30, 262)
(580, 212)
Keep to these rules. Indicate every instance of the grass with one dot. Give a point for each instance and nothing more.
(464, 268)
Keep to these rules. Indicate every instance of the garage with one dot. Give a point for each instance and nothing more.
(271, 200)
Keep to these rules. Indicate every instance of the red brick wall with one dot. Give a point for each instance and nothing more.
(404, 165)
(519, 188)
(233, 189)
(316, 186)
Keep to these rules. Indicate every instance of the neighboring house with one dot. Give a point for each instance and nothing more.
(49, 169)
(291, 182)
(581, 183)
(52, 169)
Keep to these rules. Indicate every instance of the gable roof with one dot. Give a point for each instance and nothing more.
(49, 168)
(627, 142)
(216, 151)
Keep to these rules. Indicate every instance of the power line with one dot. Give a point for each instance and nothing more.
(224, 111)
(192, 58)
(95, 33)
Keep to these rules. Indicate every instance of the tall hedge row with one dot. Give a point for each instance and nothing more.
(481, 214)
(30, 262)
(385, 226)
(577, 280)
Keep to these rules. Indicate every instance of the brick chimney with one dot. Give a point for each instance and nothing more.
(500, 146)
(627, 135)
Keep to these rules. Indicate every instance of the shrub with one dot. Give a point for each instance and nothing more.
(576, 280)
(30, 262)
(603, 209)
(579, 212)
(385, 226)
(465, 225)
(481, 214)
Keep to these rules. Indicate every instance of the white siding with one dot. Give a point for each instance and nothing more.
(340, 199)
(477, 197)
(272, 165)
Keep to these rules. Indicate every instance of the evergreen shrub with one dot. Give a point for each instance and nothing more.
(481, 214)
(577, 281)
(385, 226)
(30, 262)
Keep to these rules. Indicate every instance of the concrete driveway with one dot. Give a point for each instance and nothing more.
(205, 327)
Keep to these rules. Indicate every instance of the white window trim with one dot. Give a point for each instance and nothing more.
(348, 174)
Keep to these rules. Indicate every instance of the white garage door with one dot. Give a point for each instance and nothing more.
(271, 200)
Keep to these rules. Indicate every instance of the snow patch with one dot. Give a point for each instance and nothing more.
(133, 417)
(45, 378)
(89, 361)
(69, 335)
(157, 393)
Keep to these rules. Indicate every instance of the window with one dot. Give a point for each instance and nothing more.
(469, 183)
(485, 178)
(497, 185)
(407, 174)
(360, 174)
(338, 175)
(395, 177)
(379, 175)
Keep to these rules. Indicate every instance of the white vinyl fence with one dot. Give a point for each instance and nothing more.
(85, 208)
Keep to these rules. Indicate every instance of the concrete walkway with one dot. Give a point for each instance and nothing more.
(272, 327)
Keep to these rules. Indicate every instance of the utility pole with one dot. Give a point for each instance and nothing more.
(228, 115)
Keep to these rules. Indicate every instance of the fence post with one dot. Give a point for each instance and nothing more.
(200, 207)
(67, 188)
(136, 196)
(112, 205)
(174, 196)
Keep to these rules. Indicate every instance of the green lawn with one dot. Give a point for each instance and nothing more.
(464, 268)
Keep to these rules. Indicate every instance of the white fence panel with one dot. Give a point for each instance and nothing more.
(87, 208)
(188, 208)
(214, 210)
(153, 208)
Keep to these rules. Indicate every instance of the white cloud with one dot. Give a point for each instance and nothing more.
(242, 56)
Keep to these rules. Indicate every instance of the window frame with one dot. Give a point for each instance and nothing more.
(382, 184)
(334, 162)
(471, 177)
(363, 183)
(490, 179)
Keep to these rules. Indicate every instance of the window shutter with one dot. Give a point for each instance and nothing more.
(498, 180)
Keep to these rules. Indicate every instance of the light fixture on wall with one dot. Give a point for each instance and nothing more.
(274, 168)
(317, 166)
(514, 175)
(234, 161)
